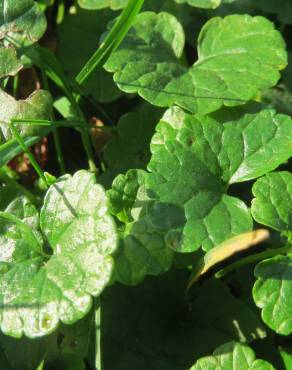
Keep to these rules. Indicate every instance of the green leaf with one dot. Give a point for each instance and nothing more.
(65, 349)
(131, 147)
(85, 28)
(40, 291)
(232, 356)
(142, 250)
(135, 130)
(272, 205)
(37, 106)
(216, 155)
(128, 196)
(100, 4)
(205, 226)
(21, 25)
(272, 292)
(19, 236)
(287, 358)
(206, 4)
(239, 56)
(152, 326)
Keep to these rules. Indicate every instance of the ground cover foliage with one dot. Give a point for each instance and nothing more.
(145, 184)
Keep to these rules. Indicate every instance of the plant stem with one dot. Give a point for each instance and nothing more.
(85, 135)
(23, 226)
(60, 157)
(55, 72)
(32, 159)
(252, 259)
(61, 123)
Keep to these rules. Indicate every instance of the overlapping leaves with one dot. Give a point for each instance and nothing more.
(118, 4)
(39, 289)
(130, 147)
(194, 159)
(205, 157)
(239, 56)
(21, 25)
(37, 106)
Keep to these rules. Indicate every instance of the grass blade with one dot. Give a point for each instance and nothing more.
(112, 41)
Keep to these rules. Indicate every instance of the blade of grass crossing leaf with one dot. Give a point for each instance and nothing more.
(12, 148)
(61, 123)
(226, 250)
(21, 225)
(32, 159)
(112, 41)
(253, 259)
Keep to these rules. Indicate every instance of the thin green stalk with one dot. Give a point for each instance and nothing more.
(85, 136)
(252, 259)
(61, 123)
(9, 181)
(23, 226)
(15, 85)
(46, 123)
(112, 41)
(58, 148)
(55, 72)
(32, 159)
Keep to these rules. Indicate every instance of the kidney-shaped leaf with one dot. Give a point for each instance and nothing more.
(37, 293)
(239, 56)
(232, 356)
(188, 147)
(272, 292)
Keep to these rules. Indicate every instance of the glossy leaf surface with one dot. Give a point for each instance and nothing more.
(238, 57)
